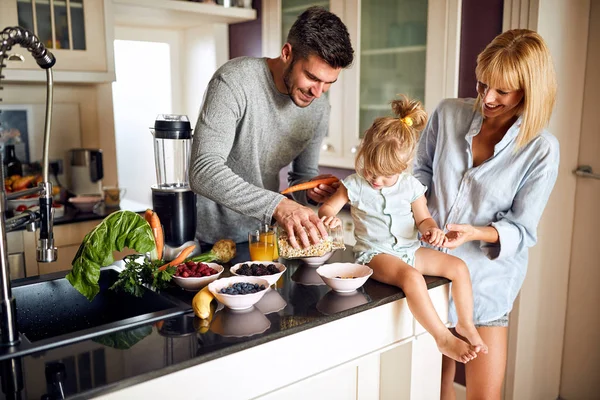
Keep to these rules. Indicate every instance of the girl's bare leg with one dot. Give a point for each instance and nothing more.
(436, 263)
(485, 375)
(391, 270)
(448, 373)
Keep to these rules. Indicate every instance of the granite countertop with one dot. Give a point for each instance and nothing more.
(299, 301)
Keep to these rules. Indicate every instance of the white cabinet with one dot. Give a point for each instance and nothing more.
(401, 47)
(75, 31)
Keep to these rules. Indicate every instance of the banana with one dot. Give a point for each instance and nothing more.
(201, 303)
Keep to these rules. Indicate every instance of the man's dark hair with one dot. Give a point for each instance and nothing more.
(322, 33)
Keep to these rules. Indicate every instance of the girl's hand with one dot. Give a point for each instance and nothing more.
(434, 236)
(331, 221)
(458, 234)
(321, 193)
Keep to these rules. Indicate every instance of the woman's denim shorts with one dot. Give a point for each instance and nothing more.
(501, 322)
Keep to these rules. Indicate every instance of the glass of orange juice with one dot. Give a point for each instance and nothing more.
(262, 243)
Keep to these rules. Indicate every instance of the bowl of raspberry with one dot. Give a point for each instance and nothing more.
(271, 271)
(195, 275)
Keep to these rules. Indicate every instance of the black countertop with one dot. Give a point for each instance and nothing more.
(300, 301)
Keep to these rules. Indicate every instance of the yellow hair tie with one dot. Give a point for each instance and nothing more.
(407, 120)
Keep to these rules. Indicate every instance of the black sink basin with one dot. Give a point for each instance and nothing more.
(51, 313)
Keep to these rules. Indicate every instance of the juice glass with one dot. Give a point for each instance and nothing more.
(262, 243)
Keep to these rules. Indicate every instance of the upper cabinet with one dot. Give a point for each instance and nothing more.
(401, 47)
(75, 31)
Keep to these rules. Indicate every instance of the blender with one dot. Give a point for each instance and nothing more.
(172, 198)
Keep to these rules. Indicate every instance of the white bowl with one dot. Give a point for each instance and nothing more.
(334, 302)
(330, 272)
(193, 283)
(232, 323)
(85, 203)
(238, 301)
(272, 279)
(316, 261)
(28, 202)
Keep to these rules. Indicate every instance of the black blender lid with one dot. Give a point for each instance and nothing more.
(172, 126)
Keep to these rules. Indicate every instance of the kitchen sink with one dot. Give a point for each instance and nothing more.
(52, 313)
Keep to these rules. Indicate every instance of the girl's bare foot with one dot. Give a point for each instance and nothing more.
(470, 333)
(456, 349)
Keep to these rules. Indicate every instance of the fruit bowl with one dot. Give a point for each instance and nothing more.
(344, 277)
(197, 283)
(27, 202)
(238, 301)
(272, 278)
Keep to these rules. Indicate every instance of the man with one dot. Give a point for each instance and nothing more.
(259, 115)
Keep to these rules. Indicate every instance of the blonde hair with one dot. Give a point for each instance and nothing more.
(520, 60)
(389, 144)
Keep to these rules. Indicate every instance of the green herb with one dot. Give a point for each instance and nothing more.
(118, 230)
(141, 271)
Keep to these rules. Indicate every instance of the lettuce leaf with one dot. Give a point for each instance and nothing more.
(118, 230)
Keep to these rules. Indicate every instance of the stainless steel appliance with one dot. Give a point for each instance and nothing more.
(86, 171)
(172, 198)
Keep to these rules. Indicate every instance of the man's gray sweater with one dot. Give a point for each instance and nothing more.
(247, 131)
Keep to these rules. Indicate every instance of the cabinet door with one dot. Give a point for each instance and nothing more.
(406, 47)
(280, 16)
(73, 30)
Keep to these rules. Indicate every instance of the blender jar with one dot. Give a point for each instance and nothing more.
(172, 148)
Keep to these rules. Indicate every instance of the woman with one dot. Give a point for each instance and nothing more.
(490, 166)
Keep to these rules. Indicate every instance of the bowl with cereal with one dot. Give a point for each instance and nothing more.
(344, 277)
(194, 276)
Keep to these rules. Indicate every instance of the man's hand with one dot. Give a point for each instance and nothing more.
(322, 192)
(458, 234)
(297, 220)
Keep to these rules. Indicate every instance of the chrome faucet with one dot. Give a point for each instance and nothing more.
(46, 252)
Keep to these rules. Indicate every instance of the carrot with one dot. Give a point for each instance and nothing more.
(152, 218)
(179, 259)
(310, 184)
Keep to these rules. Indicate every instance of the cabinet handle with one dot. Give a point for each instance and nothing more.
(353, 150)
(327, 147)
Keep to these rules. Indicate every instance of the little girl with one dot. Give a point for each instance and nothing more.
(388, 207)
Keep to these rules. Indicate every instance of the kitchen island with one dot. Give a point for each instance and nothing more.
(300, 340)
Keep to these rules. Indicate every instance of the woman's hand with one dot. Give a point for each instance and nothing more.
(458, 234)
(321, 193)
(434, 236)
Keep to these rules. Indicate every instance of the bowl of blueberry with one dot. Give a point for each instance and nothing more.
(271, 271)
(194, 276)
(239, 292)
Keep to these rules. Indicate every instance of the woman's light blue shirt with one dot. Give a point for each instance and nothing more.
(508, 191)
(383, 218)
